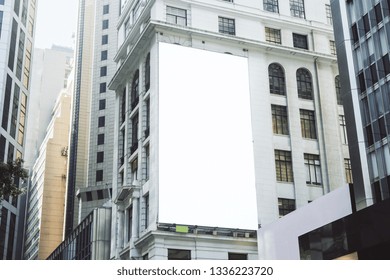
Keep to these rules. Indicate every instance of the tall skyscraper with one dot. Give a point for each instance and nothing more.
(363, 47)
(17, 26)
(185, 144)
(91, 146)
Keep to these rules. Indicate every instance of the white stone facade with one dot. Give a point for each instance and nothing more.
(142, 26)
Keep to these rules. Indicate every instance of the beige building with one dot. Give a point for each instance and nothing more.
(46, 197)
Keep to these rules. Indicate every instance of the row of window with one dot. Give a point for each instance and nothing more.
(284, 168)
(277, 82)
(102, 89)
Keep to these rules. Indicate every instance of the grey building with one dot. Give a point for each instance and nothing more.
(17, 25)
(362, 33)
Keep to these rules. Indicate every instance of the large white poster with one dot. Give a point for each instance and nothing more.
(206, 165)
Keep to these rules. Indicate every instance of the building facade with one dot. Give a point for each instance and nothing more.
(91, 145)
(46, 194)
(16, 40)
(363, 54)
(290, 88)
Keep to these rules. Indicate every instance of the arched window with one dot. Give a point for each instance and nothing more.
(304, 83)
(135, 90)
(147, 72)
(338, 88)
(277, 84)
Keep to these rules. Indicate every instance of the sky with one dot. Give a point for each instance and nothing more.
(56, 22)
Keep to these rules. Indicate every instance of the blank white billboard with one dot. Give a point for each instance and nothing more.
(206, 165)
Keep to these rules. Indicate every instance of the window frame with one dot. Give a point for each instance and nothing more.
(313, 169)
(277, 79)
(283, 166)
(304, 84)
(279, 119)
(271, 6)
(273, 35)
(226, 25)
(297, 8)
(300, 41)
(308, 124)
(174, 16)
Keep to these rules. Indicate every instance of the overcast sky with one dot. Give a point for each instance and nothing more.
(56, 22)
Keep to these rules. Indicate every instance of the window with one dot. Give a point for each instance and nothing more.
(1, 22)
(283, 165)
(273, 35)
(102, 87)
(147, 162)
(147, 72)
(100, 139)
(236, 256)
(176, 16)
(102, 121)
(328, 14)
(362, 82)
(129, 213)
(147, 118)
(366, 24)
(271, 6)
(134, 169)
(343, 129)
(348, 170)
(386, 64)
(99, 157)
(175, 254)
(226, 26)
(279, 119)
(378, 13)
(308, 124)
(338, 90)
(286, 206)
(146, 203)
(123, 106)
(103, 71)
(277, 84)
(300, 41)
(104, 39)
(134, 134)
(102, 104)
(99, 175)
(297, 8)
(103, 55)
(332, 46)
(355, 33)
(105, 24)
(135, 90)
(313, 169)
(304, 84)
(106, 9)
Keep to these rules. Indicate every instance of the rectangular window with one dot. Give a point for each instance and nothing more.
(103, 55)
(273, 35)
(332, 45)
(129, 223)
(176, 16)
(102, 87)
(147, 118)
(102, 104)
(99, 175)
(286, 206)
(104, 39)
(134, 134)
(27, 64)
(102, 121)
(378, 13)
(105, 24)
(175, 254)
(237, 256)
(308, 124)
(313, 169)
(283, 165)
(226, 25)
(328, 14)
(147, 162)
(146, 203)
(348, 170)
(297, 8)
(271, 6)
(103, 71)
(11, 56)
(106, 9)
(7, 100)
(100, 139)
(355, 33)
(300, 41)
(279, 119)
(1, 22)
(134, 169)
(343, 129)
(99, 157)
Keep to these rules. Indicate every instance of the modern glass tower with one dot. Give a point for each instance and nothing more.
(17, 24)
